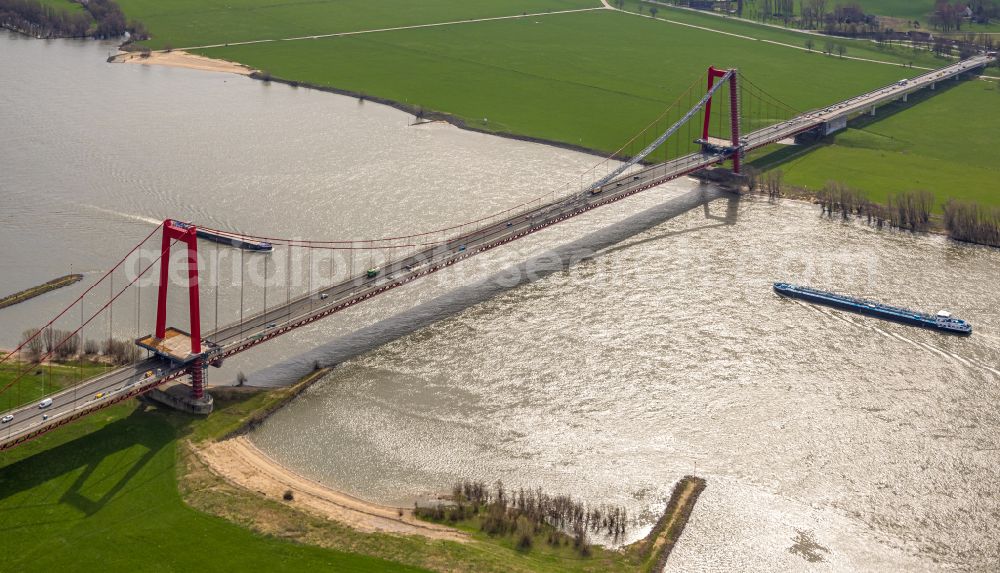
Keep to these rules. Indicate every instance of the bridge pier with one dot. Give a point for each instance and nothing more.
(724, 178)
(179, 396)
(872, 113)
(905, 97)
(197, 372)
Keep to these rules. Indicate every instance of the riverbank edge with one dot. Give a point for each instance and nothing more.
(16, 30)
(659, 543)
(431, 115)
(232, 457)
(425, 116)
(32, 292)
(256, 418)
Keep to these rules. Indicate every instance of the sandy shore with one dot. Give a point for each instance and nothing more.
(182, 59)
(239, 462)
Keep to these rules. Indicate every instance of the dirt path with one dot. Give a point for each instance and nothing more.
(239, 462)
(683, 501)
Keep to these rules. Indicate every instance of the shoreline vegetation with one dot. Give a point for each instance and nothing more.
(219, 474)
(656, 547)
(30, 293)
(963, 221)
(530, 519)
(98, 19)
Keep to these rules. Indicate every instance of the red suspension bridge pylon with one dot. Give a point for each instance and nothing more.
(169, 342)
(734, 115)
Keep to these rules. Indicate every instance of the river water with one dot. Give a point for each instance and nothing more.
(829, 441)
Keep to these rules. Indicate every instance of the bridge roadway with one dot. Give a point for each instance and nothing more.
(863, 103)
(117, 385)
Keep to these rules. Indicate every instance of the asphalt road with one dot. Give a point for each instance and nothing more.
(31, 420)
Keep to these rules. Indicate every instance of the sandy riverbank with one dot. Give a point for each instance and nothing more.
(182, 59)
(240, 463)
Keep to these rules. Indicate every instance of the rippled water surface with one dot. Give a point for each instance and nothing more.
(829, 441)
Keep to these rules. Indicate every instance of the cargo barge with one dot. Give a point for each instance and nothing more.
(230, 240)
(943, 320)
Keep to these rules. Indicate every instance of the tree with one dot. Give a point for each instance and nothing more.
(828, 47)
(810, 44)
(841, 50)
(33, 346)
(91, 347)
(653, 10)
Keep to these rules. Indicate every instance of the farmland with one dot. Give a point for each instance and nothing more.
(540, 77)
(102, 495)
(939, 146)
(186, 23)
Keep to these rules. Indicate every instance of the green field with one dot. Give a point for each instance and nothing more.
(40, 380)
(64, 5)
(919, 10)
(593, 79)
(790, 36)
(102, 495)
(121, 491)
(946, 144)
(184, 23)
(572, 78)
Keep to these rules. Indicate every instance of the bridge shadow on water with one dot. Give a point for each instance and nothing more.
(598, 243)
(87, 472)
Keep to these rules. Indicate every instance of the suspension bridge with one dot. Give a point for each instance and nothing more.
(688, 137)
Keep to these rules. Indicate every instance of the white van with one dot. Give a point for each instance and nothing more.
(45, 403)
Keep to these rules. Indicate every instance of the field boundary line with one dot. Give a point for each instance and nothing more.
(394, 29)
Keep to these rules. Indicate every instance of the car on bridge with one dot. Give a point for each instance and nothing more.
(45, 403)
(100, 395)
(6, 418)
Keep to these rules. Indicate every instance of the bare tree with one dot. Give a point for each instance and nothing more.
(33, 346)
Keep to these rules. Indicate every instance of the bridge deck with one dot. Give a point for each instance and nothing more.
(70, 404)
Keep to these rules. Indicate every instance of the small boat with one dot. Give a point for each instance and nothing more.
(943, 320)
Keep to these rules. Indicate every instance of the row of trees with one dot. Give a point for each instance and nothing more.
(911, 210)
(769, 183)
(102, 19)
(972, 222)
(63, 345)
(829, 47)
(527, 513)
(42, 20)
(907, 210)
(950, 16)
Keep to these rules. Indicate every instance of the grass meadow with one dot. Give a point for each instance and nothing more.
(591, 79)
(943, 142)
(121, 490)
(102, 495)
(184, 23)
(41, 380)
